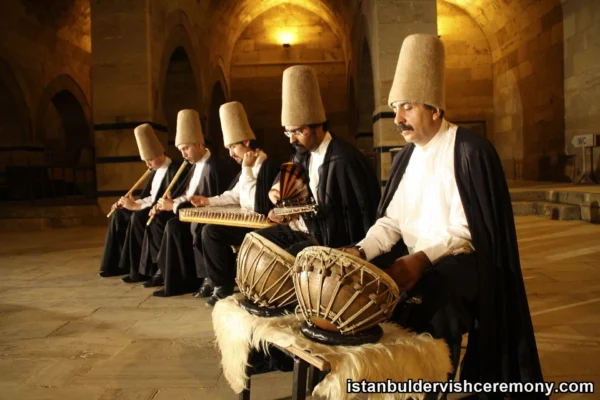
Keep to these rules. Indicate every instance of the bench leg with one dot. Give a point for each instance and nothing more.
(299, 384)
(313, 378)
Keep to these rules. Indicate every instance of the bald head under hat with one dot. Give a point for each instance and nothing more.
(148, 144)
(234, 123)
(189, 130)
(301, 97)
(420, 72)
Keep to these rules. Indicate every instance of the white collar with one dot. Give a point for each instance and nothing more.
(204, 158)
(436, 138)
(323, 146)
(165, 164)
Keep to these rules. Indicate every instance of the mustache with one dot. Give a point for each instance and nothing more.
(404, 127)
(300, 148)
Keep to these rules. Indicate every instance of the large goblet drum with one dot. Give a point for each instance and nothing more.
(342, 297)
(264, 277)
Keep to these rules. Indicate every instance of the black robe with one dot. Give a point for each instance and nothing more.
(116, 252)
(213, 242)
(175, 258)
(501, 345)
(348, 194)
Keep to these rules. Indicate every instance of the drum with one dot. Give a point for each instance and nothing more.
(342, 295)
(264, 276)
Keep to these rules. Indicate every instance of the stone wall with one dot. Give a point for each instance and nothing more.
(259, 60)
(582, 77)
(469, 83)
(45, 49)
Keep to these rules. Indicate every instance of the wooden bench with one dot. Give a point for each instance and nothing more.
(305, 376)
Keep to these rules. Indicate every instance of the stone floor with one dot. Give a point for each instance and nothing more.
(67, 334)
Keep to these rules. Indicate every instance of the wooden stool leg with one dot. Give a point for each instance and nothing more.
(299, 385)
(313, 378)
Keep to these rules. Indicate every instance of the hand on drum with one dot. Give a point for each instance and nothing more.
(406, 271)
(351, 250)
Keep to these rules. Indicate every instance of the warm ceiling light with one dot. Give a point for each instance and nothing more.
(286, 38)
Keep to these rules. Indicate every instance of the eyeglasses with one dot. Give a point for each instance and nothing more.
(296, 132)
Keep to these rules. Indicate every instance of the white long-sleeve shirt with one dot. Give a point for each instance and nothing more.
(243, 193)
(156, 182)
(193, 185)
(426, 211)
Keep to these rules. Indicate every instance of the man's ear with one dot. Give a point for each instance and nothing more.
(437, 114)
(247, 143)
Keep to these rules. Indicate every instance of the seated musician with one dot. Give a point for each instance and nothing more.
(119, 241)
(251, 192)
(446, 230)
(341, 181)
(167, 242)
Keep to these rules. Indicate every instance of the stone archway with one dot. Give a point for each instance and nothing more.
(179, 92)
(63, 124)
(15, 123)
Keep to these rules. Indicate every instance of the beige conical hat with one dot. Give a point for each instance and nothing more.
(189, 129)
(147, 142)
(420, 72)
(301, 97)
(234, 123)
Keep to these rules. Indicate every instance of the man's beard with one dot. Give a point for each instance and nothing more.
(300, 149)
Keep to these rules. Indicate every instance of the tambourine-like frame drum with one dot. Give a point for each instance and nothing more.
(264, 274)
(340, 293)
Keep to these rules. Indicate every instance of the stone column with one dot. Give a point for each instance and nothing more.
(122, 93)
(391, 21)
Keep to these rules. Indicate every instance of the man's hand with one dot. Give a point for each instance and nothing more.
(114, 206)
(153, 211)
(406, 271)
(165, 204)
(199, 201)
(129, 203)
(250, 158)
(274, 196)
(280, 219)
(351, 250)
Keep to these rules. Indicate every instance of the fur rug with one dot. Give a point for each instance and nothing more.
(400, 354)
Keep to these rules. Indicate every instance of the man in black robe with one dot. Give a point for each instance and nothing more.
(340, 179)
(115, 260)
(445, 232)
(250, 192)
(169, 240)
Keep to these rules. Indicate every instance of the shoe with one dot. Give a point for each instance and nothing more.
(106, 274)
(205, 290)
(219, 293)
(157, 280)
(141, 278)
(159, 293)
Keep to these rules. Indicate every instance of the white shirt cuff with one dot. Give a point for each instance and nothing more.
(370, 247)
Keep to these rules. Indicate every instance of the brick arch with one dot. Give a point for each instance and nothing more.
(16, 107)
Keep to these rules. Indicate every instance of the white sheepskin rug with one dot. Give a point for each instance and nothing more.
(399, 356)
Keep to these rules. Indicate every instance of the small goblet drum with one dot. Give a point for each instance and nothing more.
(264, 277)
(342, 297)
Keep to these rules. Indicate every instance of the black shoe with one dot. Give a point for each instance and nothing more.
(129, 279)
(159, 293)
(205, 290)
(219, 293)
(106, 274)
(157, 280)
